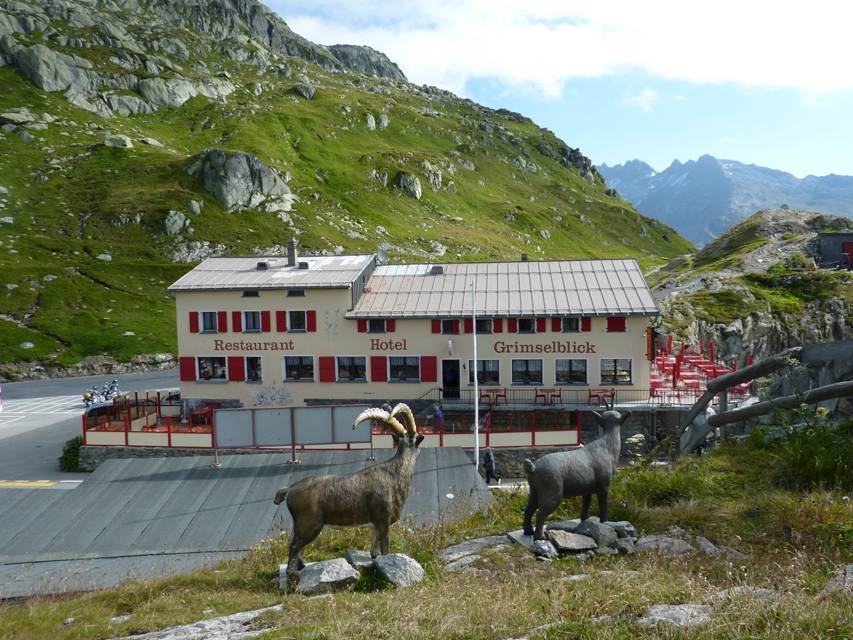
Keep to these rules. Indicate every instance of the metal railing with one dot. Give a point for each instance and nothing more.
(568, 397)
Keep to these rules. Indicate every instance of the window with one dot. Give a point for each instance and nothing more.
(616, 371)
(616, 324)
(251, 321)
(527, 372)
(484, 325)
(526, 325)
(488, 372)
(211, 369)
(375, 326)
(450, 326)
(296, 293)
(571, 371)
(404, 368)
(352, 369)
(253, 369)
(208, 321)
(296, 321)
(251, 293)
(571, 325)
(299, 368)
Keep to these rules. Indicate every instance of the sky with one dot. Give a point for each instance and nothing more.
(761, 82)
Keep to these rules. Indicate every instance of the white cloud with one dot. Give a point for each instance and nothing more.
(538, 45)
(644, 100)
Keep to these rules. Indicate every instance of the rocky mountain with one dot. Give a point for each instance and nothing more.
(140, 136)
(703, 198)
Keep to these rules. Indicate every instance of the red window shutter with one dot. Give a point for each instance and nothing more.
(512, 325)
(456, 326)
(280, 321)
(237, 321)
(236, 369)
(498, 325)
(265, 321)
(540, 325)
(390, 326)
(586, 324)
(311, 321)
(429, 369)
(222, 322)
(378, 369)
(436, 326)
(193, 323)
(362, 325)
(616, 324)
(469, 325)
(327, 368)
(187, 369)
(556, 325)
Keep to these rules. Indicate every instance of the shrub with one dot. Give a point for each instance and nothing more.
(816, 454)
(70, 458)
(661, 486)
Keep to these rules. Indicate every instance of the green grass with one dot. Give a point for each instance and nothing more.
(66, 214)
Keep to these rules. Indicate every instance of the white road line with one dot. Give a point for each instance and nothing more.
(55, 405)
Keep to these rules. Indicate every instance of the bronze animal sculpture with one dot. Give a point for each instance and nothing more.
(580, 472)
(374, 495)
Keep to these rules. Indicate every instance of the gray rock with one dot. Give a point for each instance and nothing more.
(399, 569)
(367, 61)
(457, 551)
(26, 345)
(841, 583)
(52, 71)
(304, 89)
(706, 546)
(7, 128)
(25, 136)
(85, 100)
(104, 257)
(410, 185)
(7, 220)
(465, 562)
(18, 116)
(384, 121)
(732, 555)
(236, 626)
(361, 560)
(175, 222)
(126, 105)
(518, 537)
(151, 142)
(578, 577)
(118, 141)
(167, 92)
(239, 180)
(589, 177)
(625, 545)
(606, 551)
(623, 528)
(371, 122)
(544, 549)
(664, 544)
(679, 615)
(603, 534)
(433, 174)
(120, 619)
(195, 207)
(327, 576)
(571, 542)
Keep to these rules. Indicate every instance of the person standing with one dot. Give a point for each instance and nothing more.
(490, 466)
(437, 418)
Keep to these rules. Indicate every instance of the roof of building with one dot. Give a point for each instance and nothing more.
(541, 288)
(242, 273)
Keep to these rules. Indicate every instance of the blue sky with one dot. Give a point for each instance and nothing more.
(761, 82)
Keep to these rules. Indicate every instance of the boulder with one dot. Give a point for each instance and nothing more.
(195, 207)
(732, 555)
(52, 71)
(104, 257)
(17, 116)
(163, 92)
(706, 546)
(544, 549)
(327, 576)
(623, 528)
(625, 545)
(679, 615)
(518, 537)
(603, 534)
(371, 122)
(127, 105)
(118, 141)
(239, 180)
(666, 545)
(570, 542)
(151, 142)
(468, 547)
(83, 99)
(399, 569)
(361, 560)
(384, 121)
(304, 89)
(409, 185)
(463, 563)
(175, 222)
(841, 583)
(564, 525)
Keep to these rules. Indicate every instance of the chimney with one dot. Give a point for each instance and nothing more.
(524, 257)
(291, 252)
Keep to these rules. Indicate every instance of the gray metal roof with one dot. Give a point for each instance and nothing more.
(546, 288)
(242, 273)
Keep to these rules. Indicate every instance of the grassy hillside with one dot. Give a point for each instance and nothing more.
(71, 199)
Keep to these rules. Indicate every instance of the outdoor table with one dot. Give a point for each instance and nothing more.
(601, 395)
(544, 394)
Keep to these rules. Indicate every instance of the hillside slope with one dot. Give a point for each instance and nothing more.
(94, 226)
(703, 198)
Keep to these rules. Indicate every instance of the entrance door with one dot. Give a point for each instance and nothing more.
(450, 378)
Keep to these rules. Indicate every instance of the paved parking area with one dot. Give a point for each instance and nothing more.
(99, 534)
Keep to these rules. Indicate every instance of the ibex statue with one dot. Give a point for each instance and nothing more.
(374, 495)
(580, 472)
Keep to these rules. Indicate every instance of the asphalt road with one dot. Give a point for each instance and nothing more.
(40, 416)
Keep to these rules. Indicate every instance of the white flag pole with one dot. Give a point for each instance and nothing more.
(476, 382)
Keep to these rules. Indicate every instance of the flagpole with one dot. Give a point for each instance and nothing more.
(476, 381)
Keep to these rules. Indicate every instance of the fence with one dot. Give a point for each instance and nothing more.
(567, 397)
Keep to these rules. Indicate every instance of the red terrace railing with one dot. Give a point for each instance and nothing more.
(568, 396)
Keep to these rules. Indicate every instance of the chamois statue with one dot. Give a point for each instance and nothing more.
(580, 472)
(374, 495)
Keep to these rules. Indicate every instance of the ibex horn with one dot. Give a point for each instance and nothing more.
(382, 416)
(404, 409)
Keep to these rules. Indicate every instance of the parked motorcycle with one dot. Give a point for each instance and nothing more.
(93, 397)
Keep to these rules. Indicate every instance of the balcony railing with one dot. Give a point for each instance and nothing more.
(569, 397)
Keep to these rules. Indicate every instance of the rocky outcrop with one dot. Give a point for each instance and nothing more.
(367, 61)
(238, 180)
(173, 92)
(409, 185)
(53, 71)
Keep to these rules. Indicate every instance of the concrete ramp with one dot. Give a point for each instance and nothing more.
(130, 513)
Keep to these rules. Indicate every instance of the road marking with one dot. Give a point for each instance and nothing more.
(55, 405)
(40, 484)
